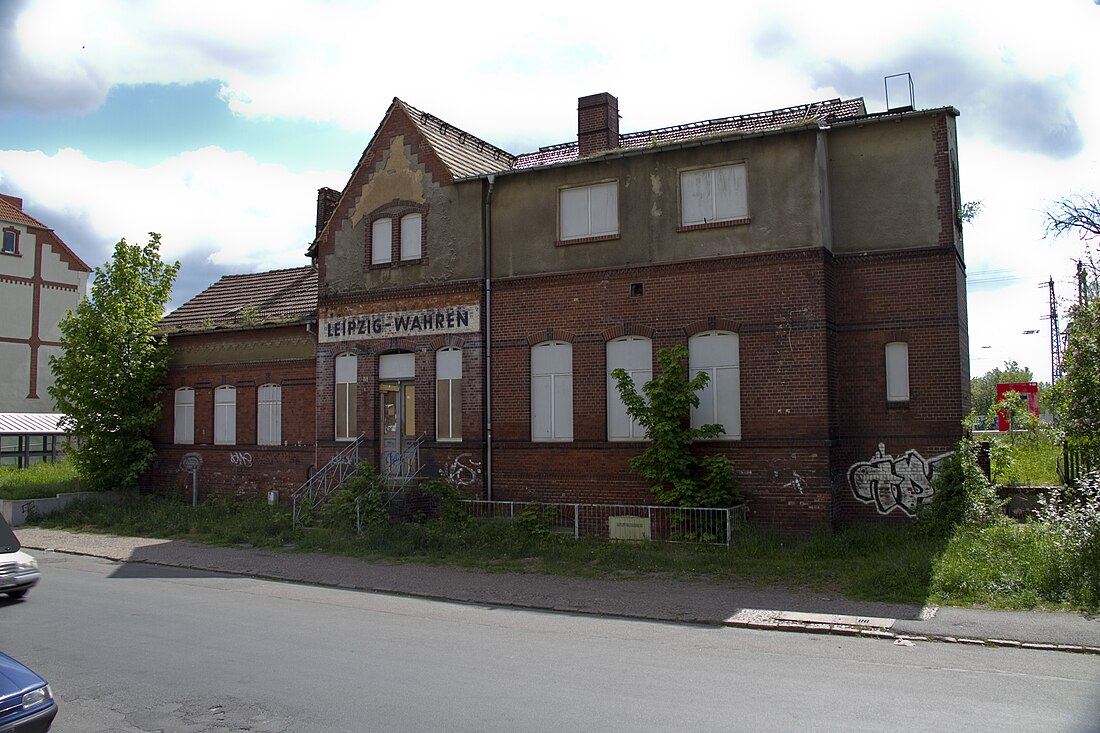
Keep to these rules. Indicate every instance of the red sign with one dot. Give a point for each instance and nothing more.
(1027, 392)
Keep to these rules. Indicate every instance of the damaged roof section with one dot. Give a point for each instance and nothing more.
(275, 297)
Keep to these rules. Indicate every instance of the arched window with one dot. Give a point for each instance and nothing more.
(448, 394)
(635, 355)
(225, 415)
(185, 416)
(717, 354)
(552, 391)
(381, 241)
(897, 371)
(346, 378)
(269, 414)
(411, 237)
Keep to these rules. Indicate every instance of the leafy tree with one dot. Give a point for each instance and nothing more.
(1077, 394)
(983, 389)
(676, 476)
(109, 377)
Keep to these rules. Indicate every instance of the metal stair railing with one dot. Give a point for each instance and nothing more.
(408, 468)
(329, 478)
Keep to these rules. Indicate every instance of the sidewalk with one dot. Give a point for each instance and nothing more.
(648, 598)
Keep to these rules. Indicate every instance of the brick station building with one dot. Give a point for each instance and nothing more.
(469, 305)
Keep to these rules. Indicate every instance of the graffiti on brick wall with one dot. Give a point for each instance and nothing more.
(902, 483)
(237, 458)
(462, 471)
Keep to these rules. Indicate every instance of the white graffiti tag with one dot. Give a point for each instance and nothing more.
(890, 483)
(463, 471)
(238, 458)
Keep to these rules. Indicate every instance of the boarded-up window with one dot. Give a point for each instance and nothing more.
(225, 415)
(552, 391)
(717, 354)
(346, 378)
(897, 371)
(381, 241)
(713, 194)
(635, 355)
(411, 232)
(590, 211)
(185, 416)
(448, 394)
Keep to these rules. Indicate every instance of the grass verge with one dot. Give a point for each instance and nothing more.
(39, 481)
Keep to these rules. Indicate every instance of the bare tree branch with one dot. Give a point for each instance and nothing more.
(1078, 213)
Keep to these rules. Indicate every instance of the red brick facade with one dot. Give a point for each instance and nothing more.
(814, 284)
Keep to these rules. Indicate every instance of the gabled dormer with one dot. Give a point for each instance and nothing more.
(409, 214)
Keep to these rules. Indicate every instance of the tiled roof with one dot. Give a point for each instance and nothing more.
(30, 423)
(276, 296)
(463, 154)
(15, 214)
(820, 112)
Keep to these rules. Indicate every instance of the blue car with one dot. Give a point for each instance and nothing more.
(26, 701)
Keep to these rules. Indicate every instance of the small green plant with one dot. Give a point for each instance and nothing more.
(1071, 517)
(453, 512)
(250, 314)
(963, 494)
(535, 521)
(676, 476)
(360, 502)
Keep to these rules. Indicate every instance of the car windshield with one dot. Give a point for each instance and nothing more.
(8, 541)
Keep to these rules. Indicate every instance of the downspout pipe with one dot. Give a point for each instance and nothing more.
(486, 250)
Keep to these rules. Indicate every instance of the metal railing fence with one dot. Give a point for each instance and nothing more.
(697, 525)
(328, 479)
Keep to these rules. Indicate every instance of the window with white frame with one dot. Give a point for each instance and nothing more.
(225, 415)
(717, 354)
(552, 391)
(448, 394)
(381, 241)
(713, 195)
(634, 354)
(411, 237)
(589, 211)
(11, 242)
(897, 371)
(185, 416)
(346, 377)
(269, 414)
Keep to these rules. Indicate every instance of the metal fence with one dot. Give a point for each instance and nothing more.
(698, 525)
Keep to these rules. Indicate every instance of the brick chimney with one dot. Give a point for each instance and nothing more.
(597, 123)
(13, 200)
(326, 202)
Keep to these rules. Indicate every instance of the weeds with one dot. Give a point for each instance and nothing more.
(39, 481)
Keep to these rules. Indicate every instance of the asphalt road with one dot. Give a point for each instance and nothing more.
(135, 647)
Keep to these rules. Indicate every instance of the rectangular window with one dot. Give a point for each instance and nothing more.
(552, 391)
(590, 211)
(269, 415)
(717, 353)
(635, 355)
(411, 234)
(713, 195)
(11, 242)
(346, 377)
(897, 371)
(225, 416)
(448, 394)
(185, 416)
(381, 241)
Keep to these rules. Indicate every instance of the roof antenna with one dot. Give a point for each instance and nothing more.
(899, 82)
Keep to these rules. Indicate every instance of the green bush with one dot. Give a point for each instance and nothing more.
(963, 495)
(359, 502)
(1071, 519)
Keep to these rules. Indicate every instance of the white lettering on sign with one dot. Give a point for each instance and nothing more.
(454, 319)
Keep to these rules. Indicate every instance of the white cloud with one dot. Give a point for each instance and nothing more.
(210, 204)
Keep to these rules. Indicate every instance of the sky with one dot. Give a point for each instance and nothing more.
(214, 123)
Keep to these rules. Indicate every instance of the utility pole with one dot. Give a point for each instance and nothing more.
(1055, 336)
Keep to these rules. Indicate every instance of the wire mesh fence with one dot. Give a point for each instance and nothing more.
(698, 525)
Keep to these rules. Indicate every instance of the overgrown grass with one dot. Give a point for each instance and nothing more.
(888, 563)
(1035, 464)
(38, 481)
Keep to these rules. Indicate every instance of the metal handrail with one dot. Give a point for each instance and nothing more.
(329, 478)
